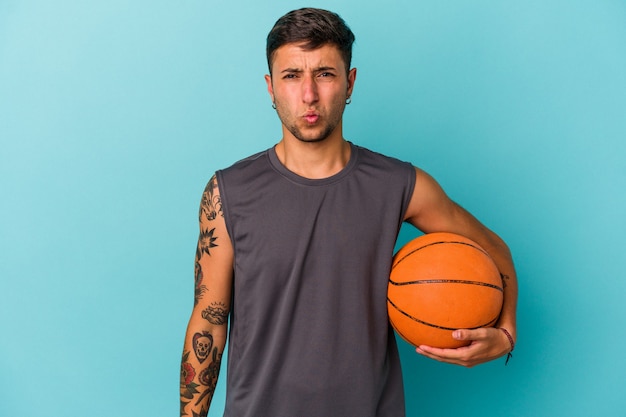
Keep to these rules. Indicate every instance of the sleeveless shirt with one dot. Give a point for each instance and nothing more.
(309, 333)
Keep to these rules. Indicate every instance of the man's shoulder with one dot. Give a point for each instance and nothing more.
(245, 171)
(245, 162)
(380, 158)
(249, 166)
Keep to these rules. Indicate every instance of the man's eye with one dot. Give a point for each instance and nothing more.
(289, 76)
(327, 74)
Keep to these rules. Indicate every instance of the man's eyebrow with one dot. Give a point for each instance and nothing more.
(298, 70)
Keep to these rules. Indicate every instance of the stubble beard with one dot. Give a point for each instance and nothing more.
(327, 126)
(322, 136)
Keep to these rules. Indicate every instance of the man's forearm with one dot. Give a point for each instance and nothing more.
(200, 366)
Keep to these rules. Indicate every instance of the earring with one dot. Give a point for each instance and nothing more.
(274, 106)
(348, 101)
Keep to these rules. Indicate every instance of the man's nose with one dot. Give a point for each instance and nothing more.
(309, 90)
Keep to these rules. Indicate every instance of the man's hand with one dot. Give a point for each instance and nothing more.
(486, 344)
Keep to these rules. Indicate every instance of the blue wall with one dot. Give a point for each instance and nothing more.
(114, 114)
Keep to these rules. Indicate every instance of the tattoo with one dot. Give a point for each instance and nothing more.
(211, 205)
(206, 241)
(216, 313)
(203, 412)
(208, 376)
(188, 388)
(202, 344)
(183, 404)
(200, 289)
(504, 279)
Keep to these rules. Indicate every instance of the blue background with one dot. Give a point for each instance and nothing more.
(114, 114)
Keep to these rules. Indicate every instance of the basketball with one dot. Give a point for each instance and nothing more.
(441, 282)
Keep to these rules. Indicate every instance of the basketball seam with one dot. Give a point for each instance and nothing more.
(439, 243)
(435, 325)
(448, 281)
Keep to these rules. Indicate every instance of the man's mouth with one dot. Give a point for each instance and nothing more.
(311, 117)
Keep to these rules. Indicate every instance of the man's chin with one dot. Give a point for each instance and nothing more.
(311, 136)
(312, 140)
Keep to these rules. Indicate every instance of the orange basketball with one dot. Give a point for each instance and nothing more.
(441, 282)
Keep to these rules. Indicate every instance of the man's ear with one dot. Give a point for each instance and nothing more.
(351, 81)
(270, 88)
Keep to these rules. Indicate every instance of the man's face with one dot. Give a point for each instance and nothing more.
(310, 89)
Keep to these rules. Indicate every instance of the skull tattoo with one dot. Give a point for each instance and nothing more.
(202, 344)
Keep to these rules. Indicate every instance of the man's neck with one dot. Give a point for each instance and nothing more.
(314, 160)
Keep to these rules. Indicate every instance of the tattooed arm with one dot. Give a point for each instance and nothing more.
(207, 329)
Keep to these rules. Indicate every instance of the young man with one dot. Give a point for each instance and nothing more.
(295, 248)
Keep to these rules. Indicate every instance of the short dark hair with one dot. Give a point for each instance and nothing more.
(313, 28)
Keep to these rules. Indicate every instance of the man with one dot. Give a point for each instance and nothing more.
(295, 248)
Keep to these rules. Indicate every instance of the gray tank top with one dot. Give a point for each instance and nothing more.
(309, 333)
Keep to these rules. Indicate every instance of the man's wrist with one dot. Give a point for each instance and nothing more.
(509, 355)
(508, 336)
